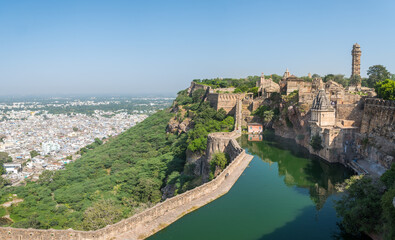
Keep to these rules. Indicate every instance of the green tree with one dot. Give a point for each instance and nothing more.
(316, 142)
(360, 207)
(101, 214)
(328, 77)
(254, 90)
(34, 153)
(355, 80)
(386, 89)
(268, 115)
(377, 73)
(98, 141)
(3, 182)
(315, 75)
(198, 95)
(388, 215)
(4, 157)
(219, 160)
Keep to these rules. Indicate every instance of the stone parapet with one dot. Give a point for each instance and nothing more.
(377, 113)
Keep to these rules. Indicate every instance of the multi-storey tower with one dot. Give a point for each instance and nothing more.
(356, 60)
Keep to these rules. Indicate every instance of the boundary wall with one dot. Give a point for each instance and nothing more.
(377, 113)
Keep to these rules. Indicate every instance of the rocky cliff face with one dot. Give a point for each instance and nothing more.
(378, 146)
(293, 123)
(180, 123)
(376, 143)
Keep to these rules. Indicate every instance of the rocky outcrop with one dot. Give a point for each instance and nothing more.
(177, 127)
(197, 162)
(223, 142)
(294, 125)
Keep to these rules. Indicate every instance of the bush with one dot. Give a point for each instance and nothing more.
(360, 207)
(101, 214)
(220, 160)
(367, 205)
(386, 89)
(316, 142)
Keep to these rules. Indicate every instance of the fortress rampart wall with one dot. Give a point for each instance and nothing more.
(350, 112)
(196, 86)
(377, 113)
(227, 101)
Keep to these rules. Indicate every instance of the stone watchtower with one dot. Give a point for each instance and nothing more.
(356, 60)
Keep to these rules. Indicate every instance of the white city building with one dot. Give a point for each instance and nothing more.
(48, 147)
(12, 167)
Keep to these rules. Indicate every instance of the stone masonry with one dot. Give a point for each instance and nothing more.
(356, 60)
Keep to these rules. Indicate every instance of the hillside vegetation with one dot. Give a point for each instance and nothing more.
(368, 206)
(110, 182)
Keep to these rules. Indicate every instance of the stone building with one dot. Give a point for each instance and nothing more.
(337, 135)
(267, 87)
(322, 113)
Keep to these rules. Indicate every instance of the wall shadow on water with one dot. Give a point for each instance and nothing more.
(303, 226)
(298, 166)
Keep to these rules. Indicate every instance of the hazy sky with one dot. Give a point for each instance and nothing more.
(129, 47)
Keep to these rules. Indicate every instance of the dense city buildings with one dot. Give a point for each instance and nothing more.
(37, 139)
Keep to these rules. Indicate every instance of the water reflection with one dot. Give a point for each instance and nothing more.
(255, 137)
(296, 166)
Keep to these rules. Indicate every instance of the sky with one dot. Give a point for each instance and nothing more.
(140, 47)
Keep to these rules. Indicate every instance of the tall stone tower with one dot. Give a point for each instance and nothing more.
(356, 60)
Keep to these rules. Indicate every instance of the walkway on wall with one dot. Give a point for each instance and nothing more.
(238, 116)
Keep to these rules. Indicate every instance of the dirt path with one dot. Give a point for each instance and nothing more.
(152, 227)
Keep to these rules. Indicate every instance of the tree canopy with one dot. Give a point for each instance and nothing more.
(385, 89)
(367, 205)
(377, 73)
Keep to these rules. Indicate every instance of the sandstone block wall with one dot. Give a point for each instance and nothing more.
(377, 113)
(350, 112)
(227, 101)
(196, 86)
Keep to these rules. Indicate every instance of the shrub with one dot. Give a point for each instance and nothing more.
(385, 89)
(316, 142)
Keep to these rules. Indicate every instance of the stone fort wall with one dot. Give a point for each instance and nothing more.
(227, 101)
(350, 112)
(196, 86)
(377, 113)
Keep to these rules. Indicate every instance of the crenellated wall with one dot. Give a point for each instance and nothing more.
(377, 113)
(227, 101)
(196, 86)
(350, 112)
